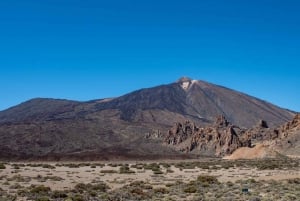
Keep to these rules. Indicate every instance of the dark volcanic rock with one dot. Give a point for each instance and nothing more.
(135, 123)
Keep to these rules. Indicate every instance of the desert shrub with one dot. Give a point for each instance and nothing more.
(186, 165)
(124, 169)
(39, 189)
(113, 165)
(22, 192)
(80, 187)
(99, 187)
(78, 197)
(137, 183)
(165, 165)
(137, 191)
(152, 166)
(140, 184)
(93, 193)
(59, 194)
(204, 166)
(48, 166)
(255, 199)
(169, 170)
(44, 198)
(15, 166)
(19, 178)
(190, 189)
(161, 190)
(34, 165)
(102, 187)
(2, 166)
(229, 184)
(170, 184)
(54, 178)
(138, 166)
(39, 192)
(108, 171)
(251, 181)
(207, 179)
(157, 172)
(72, 165)
(15, 186)
(294, 181)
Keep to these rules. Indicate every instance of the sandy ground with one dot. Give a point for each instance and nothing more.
(259, 151)
(72, 176)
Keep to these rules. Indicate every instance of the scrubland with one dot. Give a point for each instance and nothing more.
(205, 179)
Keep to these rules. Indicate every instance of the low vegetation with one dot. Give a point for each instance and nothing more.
(203, 185)
(2, 166)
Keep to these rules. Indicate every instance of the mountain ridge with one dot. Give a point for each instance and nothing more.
(121, 126)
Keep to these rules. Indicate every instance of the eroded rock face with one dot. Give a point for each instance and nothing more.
(294, 124)
(284, 139)
(262, 132)
(221, 138)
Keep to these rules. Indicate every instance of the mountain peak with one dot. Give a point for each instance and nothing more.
(184, 79)
(185, 82)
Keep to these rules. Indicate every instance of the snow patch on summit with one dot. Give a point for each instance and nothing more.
(187, 84)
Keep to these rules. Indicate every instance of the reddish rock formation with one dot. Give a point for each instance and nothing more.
(261, 132)
(284, 140)
(292, 125)
(220, 139)
(223, 138)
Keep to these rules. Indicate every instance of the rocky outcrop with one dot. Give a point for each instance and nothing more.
(284, 140)
(221, 138)
(292, 125)
(262, 132)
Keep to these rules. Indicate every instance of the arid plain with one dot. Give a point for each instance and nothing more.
(205, 179)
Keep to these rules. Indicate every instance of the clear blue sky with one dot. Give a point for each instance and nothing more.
(91, 49)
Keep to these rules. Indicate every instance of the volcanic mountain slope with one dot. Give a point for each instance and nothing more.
(124, 127)
(197, 101)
